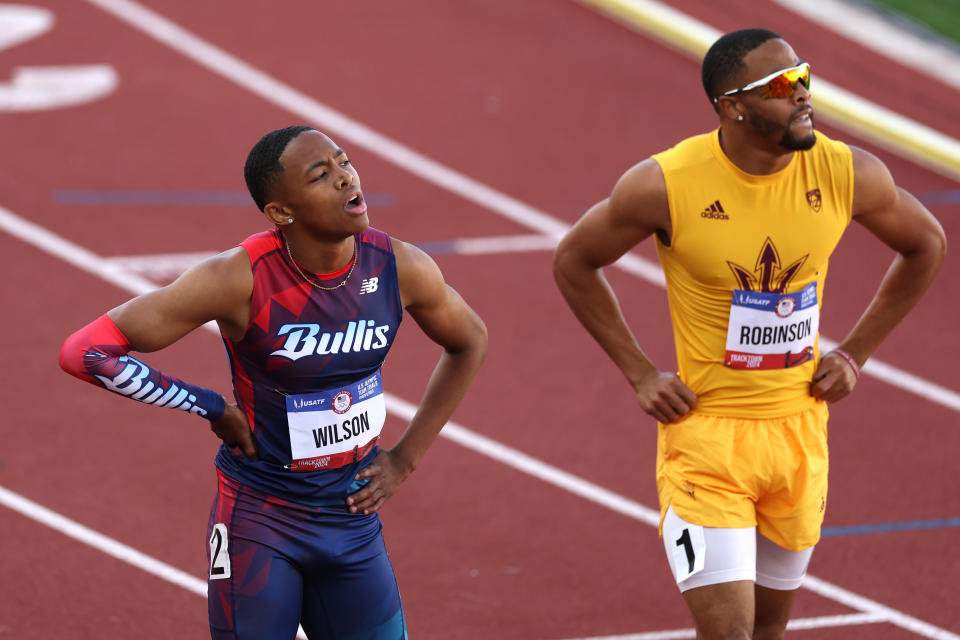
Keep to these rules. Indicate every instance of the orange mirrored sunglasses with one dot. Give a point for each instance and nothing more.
(779, 84)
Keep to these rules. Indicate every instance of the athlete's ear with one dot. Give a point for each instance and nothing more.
(277, 213)
(729, 108)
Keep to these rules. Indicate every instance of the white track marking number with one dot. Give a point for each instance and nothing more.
(219, 556)
(45, 88)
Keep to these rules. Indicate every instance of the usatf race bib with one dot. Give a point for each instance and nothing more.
(333, 428)
(772, 330)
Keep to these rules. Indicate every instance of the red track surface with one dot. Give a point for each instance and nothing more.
(543, 100)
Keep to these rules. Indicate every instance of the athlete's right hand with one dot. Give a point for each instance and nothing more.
(232, 427)
(665, 397)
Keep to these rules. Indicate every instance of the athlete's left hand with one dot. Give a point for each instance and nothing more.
(834, 378)
(386, 473)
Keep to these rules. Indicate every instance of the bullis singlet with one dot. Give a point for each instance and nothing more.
(307, 371)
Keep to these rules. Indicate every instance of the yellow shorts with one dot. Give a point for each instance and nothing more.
(739, 472)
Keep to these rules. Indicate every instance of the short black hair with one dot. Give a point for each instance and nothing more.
(724, 59)
(263, 162)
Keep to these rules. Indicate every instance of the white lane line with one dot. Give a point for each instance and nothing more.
(107, 545)
(529, 465)
(102, 543)
(76, 255)
(922, 144)
(904, 380)
(160, 266)
(821, 622)
(89, 262)
(287, 98)
(504, 244)
(860, 603)
(836, 621)
(869, 30)
(166, 265)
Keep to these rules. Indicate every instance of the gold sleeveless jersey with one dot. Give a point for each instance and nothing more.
(745, 271)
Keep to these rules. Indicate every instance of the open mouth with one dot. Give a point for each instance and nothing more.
(356, 204)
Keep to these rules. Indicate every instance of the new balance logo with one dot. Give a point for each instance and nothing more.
(369, 285)
(714, 211)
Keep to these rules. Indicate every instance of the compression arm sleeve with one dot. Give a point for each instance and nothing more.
(97, 354)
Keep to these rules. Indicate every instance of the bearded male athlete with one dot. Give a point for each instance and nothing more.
(745, 219)
(308, 310)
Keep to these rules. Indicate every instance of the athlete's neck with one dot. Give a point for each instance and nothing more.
(752, 157)
(320, 257)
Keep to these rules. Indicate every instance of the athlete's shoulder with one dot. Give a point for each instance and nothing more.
(690, 152)
(831, 149)
(417, 273)
(376, 238)
(260, 244)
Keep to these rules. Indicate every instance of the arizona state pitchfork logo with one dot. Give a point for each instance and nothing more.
(767, 276)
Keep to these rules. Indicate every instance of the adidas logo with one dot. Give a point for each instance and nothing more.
(714, 211)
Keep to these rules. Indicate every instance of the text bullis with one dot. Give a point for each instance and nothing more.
(307, 340)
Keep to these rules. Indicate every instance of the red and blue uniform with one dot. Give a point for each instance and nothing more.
(301, 340)
(284, 547)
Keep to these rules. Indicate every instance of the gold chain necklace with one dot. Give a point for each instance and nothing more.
(309, 281)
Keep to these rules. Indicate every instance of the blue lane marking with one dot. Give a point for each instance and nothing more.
(828, 532)
(940, 197)
(179, 198)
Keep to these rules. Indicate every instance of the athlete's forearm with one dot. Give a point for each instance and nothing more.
(445, 390)
(593, 301)
(902, 287)
(97, 354)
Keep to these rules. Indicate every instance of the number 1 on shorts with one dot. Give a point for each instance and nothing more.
(689, 552)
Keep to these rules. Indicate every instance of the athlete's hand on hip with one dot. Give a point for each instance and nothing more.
(834, 378)
(386, 473)
(665, 397)
(232, 427)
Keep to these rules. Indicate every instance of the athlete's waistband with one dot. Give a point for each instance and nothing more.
(323, 487)
(819, 407)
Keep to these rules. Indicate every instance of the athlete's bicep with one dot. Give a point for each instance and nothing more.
(216, 289)
(435, 306)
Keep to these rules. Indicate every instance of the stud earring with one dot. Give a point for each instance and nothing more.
(740, 118)
(290, 220)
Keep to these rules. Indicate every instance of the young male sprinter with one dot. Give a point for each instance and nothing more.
(745, 218)
(307, 311)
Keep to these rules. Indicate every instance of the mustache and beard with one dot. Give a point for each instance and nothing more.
(765, 127)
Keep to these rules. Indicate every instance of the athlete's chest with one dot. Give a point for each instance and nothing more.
(300, 332)
(774, 237)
